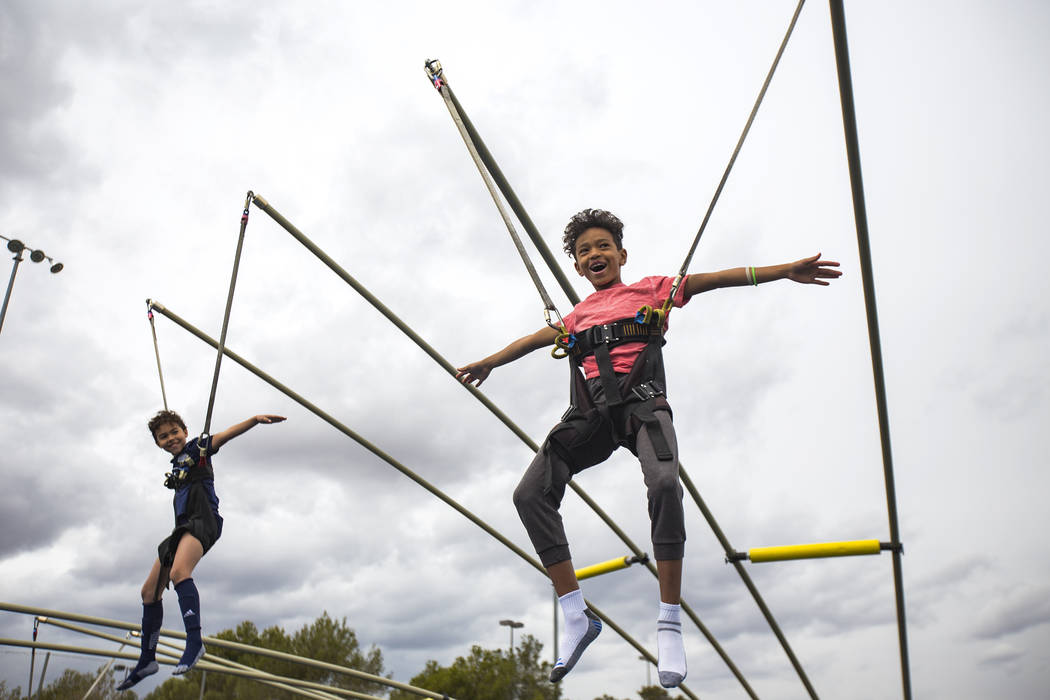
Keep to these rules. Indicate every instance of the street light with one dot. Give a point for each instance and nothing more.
(18, 247)
(513, 626)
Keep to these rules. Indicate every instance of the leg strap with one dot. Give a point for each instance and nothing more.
(647, 392)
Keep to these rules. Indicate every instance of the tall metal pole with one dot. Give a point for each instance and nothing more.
(849, 123)
(7, 297)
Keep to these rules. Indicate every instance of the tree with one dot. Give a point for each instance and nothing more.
(72, 684)
(489, 674)
(324, 640)
(655, 692)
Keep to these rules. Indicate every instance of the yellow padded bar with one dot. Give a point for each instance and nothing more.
(814, 551)
(603, 568)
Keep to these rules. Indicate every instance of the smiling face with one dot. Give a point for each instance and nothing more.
(170, 437)
(598, 259)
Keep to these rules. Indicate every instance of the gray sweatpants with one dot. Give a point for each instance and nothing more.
(538, 508)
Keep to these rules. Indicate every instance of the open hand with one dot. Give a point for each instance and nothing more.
(812, 270)
(269, 418)
(474, 373)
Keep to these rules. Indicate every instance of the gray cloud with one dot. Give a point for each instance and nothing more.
(1019, 609)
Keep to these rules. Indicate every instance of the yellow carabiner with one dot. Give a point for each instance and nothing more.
(562, 343)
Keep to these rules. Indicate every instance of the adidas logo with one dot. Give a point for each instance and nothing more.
(188, 613)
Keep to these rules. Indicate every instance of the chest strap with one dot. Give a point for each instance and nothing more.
(177, 478)
(609, 335)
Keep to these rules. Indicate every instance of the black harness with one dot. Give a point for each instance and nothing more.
(198, 520)
(591, 430)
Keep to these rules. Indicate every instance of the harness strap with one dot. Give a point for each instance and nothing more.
(644, 382)
(647, 391)
(610, 335)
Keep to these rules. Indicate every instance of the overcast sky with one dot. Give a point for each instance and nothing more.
(130, 133)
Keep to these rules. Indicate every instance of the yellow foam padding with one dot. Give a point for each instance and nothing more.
(603, 568)
(814, 551)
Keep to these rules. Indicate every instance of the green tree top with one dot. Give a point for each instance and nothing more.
(323, 640)
(490, 674)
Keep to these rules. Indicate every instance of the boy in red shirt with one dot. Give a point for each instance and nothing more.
(620, 402)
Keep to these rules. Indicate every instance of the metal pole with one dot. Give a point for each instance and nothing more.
(105, 670)
(554, 593)
(3, 313)
(287, 225)
(849, 125)
(43, 672)
(513, 201)
(394, 463)
(36, 623)
(252, 675)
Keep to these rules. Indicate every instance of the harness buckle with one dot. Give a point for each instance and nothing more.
(604, 334)
(646, 391)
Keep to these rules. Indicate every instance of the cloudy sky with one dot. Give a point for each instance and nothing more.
(130, 133)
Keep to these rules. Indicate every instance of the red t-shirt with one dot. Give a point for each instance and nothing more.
(615, 303)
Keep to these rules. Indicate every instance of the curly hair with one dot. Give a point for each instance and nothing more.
(163, 417)
(591, 218)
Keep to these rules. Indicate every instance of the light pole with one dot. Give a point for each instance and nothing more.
(17, 247)
(513, 626)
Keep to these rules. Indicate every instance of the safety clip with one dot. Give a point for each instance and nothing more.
(563, 344)
(435, 72)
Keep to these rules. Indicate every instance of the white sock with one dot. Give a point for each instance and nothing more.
(576, 623)
(671, 666)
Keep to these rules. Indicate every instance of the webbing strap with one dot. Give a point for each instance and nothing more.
(732, 159)
(437, 77)
(156, 350)
(226, 316)
(607, 374)
(625, 330)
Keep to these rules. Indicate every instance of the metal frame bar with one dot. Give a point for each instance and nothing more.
(849, 126)
(401, 468)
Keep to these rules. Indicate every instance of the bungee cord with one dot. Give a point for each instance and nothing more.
(732, 159)
(504, 186)
(156, 351)
(437, 78)
(225, 321)
(386, 457)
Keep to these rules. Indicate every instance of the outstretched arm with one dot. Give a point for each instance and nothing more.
(811, 270)
(478, 371)
(220, 439)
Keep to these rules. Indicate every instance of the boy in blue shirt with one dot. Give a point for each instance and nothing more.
(198, 526)
(618, 400)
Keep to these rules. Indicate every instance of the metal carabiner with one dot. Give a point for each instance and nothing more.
(434, 71)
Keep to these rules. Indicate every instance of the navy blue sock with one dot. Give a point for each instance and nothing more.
(152, 618)
(190, 604)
